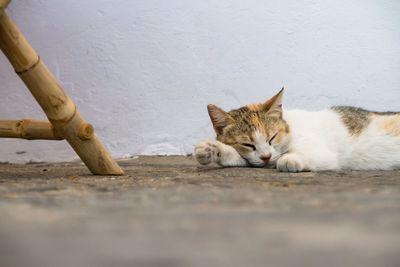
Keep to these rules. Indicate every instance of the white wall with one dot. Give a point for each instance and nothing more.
(143, 71)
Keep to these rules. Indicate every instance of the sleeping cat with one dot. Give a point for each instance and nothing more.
(339, 138)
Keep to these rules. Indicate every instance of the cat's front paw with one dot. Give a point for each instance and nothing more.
(207, 152)
(290, 163)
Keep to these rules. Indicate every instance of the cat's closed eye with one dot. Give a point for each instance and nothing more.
(249, 146)
(272, 138)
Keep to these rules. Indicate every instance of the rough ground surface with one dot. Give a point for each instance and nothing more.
(168, 211)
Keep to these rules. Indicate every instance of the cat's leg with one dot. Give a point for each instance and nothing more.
(291, 162)
(212, 151)
(314, 160)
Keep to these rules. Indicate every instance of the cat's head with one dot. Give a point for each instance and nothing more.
(257, 131)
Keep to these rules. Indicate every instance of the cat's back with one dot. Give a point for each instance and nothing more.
(374, 138)
(316, 131)
(360, 139)
(358, 120)
(322, 123)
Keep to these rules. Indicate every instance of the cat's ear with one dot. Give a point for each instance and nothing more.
(273, 106)
(219, 118)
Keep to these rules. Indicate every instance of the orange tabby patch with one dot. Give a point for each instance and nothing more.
(257, 122)
(390, 124)
(254, 107)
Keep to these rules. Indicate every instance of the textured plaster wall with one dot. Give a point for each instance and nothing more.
(143, 71)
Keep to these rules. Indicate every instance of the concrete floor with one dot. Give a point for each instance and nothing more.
(168, 211)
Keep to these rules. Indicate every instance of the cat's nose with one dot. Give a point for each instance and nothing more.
(265, 158)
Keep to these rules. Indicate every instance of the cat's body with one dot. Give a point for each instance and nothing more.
(325, 142)
(340, 138)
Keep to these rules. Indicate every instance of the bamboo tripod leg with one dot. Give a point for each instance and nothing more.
(59, 108)
(4, 4)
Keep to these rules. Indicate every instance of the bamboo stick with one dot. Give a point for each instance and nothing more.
(59, 108)
(28, 129)
(14, 45)
(48, 93)
(4, 4)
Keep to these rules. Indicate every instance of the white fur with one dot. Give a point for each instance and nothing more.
(318, 141)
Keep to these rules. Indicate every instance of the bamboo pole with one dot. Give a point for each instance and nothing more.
(28, 129)
(14, 45)
(59, 108)
(4, 4)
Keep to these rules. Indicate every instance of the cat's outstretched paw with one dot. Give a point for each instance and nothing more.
(207, 152)
(290, 163)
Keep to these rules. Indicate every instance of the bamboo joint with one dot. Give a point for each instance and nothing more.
(28, 129)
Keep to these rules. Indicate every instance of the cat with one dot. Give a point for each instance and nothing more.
(339, 138)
